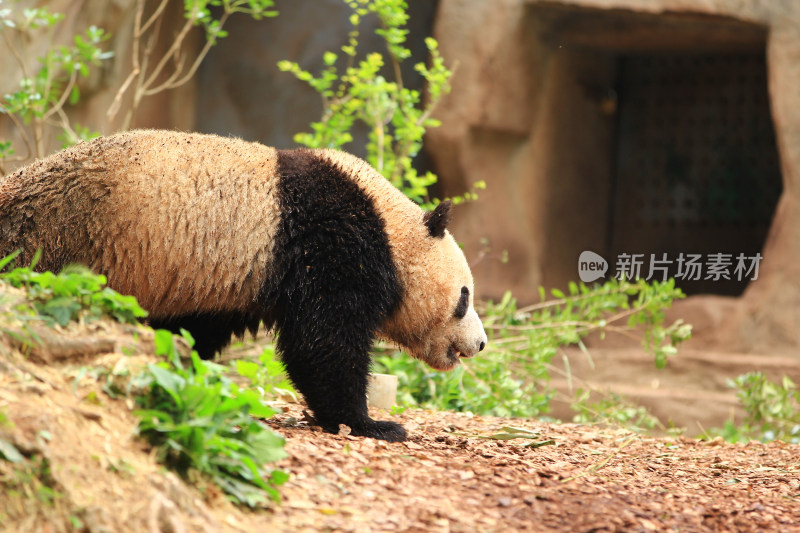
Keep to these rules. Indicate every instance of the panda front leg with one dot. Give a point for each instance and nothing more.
(333, 379)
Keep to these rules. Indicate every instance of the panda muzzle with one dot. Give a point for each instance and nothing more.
(453, 353)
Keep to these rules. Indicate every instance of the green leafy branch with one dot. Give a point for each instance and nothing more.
(511, 377)
(634, 309)
(42, 93)
(354, 91)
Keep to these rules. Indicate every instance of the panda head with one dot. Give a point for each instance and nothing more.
(435, 321)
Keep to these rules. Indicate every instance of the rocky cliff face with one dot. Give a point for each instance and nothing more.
(535, 113)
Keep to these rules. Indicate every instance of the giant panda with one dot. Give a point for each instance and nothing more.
(216, 235)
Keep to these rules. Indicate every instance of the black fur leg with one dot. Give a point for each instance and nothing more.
(334, 283)
(384, 430)
(211, 332)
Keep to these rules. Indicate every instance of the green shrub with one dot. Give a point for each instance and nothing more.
(75, 292)
(200, 420)
(511, 377)
(44, 90)
(772, 410)
(268, 376)
(486, 385)
(611, 409)
(37, 106)
(197, 418)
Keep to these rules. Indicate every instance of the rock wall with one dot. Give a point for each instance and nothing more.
(523, 118)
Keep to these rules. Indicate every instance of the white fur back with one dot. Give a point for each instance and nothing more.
(190, 222)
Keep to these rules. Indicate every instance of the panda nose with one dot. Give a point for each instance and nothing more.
(482, 346)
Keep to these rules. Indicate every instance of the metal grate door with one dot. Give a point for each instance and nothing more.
(697, 167)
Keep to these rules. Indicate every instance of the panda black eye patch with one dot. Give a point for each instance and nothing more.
(463, 303)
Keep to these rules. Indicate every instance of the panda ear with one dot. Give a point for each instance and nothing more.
(437, 220)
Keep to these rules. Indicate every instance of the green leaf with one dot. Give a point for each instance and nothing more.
(260, 410)
(511, 433)
(268, 446)
(171, 382)
(4, 262)
(247, 369)
(550, 442)
(329, 58)
(62, 309)
(74, 95)
(9, 452)
(163, 342)
(278, 477)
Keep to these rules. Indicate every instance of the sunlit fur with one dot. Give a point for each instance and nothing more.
(145, 209)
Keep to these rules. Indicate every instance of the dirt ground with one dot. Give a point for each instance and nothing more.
(86, 471)
(450, 477)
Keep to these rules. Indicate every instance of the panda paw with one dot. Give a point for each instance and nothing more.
(381, 429)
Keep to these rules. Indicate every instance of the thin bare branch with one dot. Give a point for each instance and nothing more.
(174, 84)
(115, 105)
(142, 64)
(153, 18)
(398, 76)
(38, 138)
(169, 55)
(63, 99)
(179, 61)
(135, 70)
(597, 466)
(193, 69)
(25, 139)
(23, 68)
(381, 139)
(65, 124)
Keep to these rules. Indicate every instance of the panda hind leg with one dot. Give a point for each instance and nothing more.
(211, 331)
